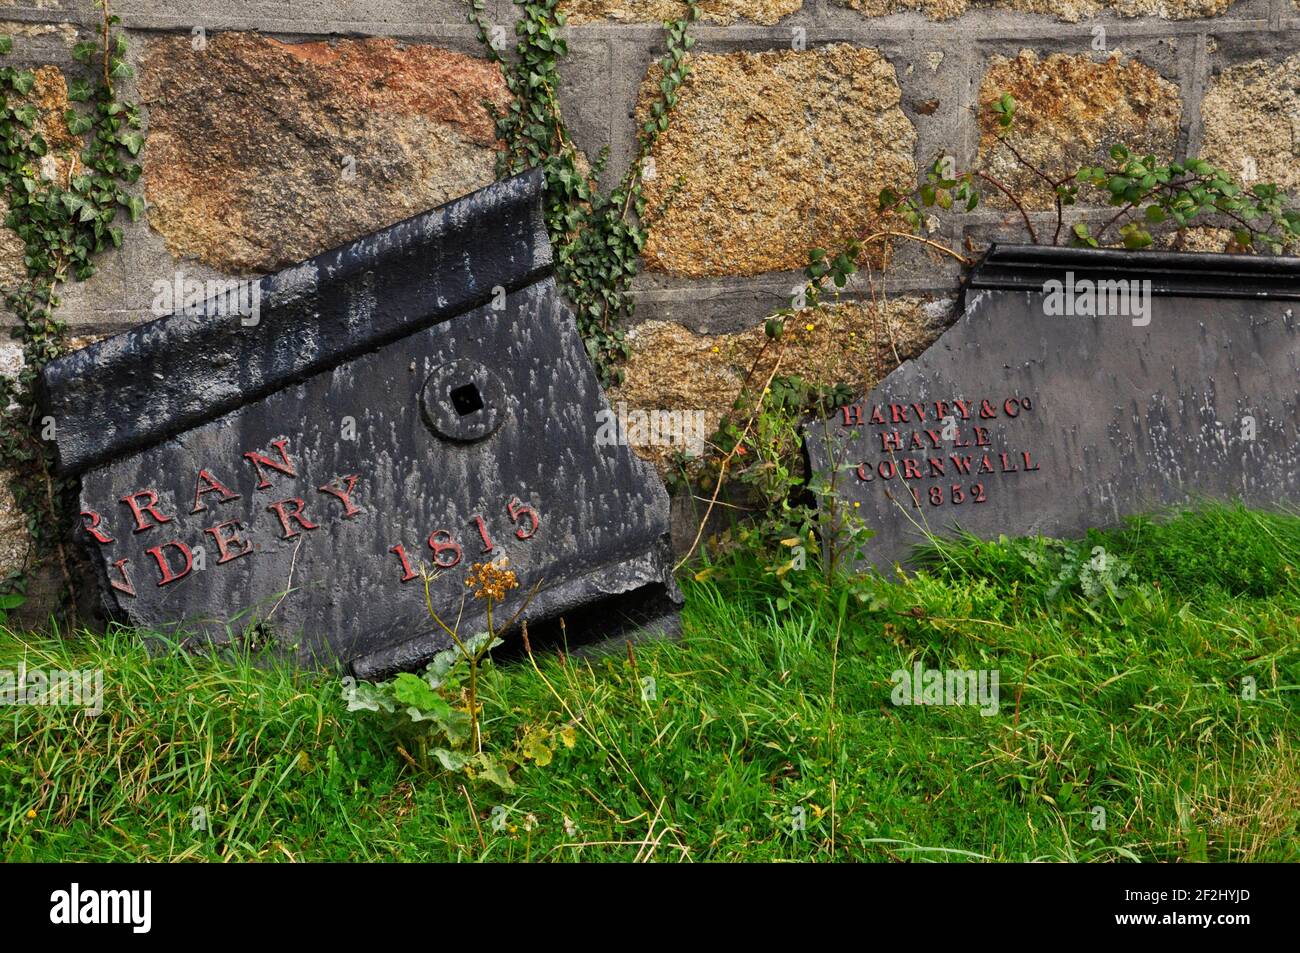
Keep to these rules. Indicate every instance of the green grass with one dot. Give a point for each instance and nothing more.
(1131, 702)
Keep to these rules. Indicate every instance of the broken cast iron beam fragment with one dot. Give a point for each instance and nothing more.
(1078, 387)
(418, 399)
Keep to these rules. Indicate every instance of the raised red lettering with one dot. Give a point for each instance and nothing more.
(350, 509)
(516, 508)
(224, 541)
(279, 509)
(125, 585)
(446, 551)
(93, 528)
(150, 506)
(207, 483)
(259, 461)
(164, 568)
(400, 552)
(483, 534)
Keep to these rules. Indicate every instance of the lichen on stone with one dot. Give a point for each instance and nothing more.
(1251, 117)
(766, 12)
(1071, 11)
(934, 9)
(50, 97)
(1070, 111)
(854, 343)
(13, 268)
(770, 154)
(1198, 238)
(67, 32)
(262, 153)
(14, 540)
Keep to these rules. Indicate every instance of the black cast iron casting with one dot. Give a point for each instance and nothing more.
(418, 399)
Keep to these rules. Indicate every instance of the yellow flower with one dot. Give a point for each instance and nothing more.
(809, 327)
(31, 814)
(491, 580)
(856, 504)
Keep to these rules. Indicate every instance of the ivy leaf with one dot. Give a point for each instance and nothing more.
(79, 90)
(83, 51)
(6, 43)
(133, 142)
(77, 123)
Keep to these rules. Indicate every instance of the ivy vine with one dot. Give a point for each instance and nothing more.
(597, 237)
(62, 206)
